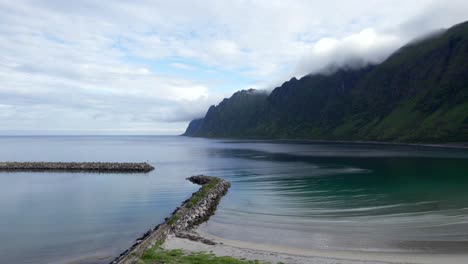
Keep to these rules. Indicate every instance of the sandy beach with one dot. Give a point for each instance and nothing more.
(275, 254)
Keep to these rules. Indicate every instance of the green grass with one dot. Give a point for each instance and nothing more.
(158, 255)
(202, 193)
(174, 219)
(178, 256)
(195, 199)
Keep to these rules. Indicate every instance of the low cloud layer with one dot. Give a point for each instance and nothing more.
(355, 51)
(373, 45)
(148, 67)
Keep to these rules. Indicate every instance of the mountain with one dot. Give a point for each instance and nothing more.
(419, 94)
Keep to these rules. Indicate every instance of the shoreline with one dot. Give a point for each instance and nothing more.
(275, 254)
(454, 145)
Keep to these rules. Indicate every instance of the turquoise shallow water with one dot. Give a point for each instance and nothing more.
(299, 194)
(348, 196)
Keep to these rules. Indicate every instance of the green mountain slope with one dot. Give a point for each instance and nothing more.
(419, 94)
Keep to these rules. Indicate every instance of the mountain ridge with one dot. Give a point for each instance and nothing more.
(418, 94)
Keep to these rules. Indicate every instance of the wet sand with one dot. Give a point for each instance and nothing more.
(275, 254)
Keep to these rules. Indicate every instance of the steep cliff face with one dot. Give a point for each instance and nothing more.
(231, 117)
(194, 127)
(419, 94)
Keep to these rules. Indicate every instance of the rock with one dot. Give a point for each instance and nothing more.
(188, 217)
(76, 166)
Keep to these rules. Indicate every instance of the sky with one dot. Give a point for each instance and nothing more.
(149, 67)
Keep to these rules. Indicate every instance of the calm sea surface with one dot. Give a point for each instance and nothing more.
(307, 195)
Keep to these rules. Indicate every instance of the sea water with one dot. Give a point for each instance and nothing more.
(372, 197)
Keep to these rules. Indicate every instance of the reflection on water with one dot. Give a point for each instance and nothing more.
(299, 194)
(366, 197)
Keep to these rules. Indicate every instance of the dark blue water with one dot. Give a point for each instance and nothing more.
(310, 195)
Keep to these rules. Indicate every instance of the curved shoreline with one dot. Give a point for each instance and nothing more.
(289, 255)
(192, 212)
(76, 166)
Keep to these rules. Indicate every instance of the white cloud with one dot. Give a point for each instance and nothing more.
(354, 51)
(181, 66)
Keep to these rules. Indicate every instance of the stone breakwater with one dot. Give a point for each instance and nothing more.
(193, 211)
(77, 166)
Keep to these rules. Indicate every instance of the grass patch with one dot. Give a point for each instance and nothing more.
(195, 199)
(174, 219)
(178, 256)
(158, 255)
(201, 193)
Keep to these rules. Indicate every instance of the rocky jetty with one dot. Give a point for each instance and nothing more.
(200, 179)
(193, 211)
(77, 166)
